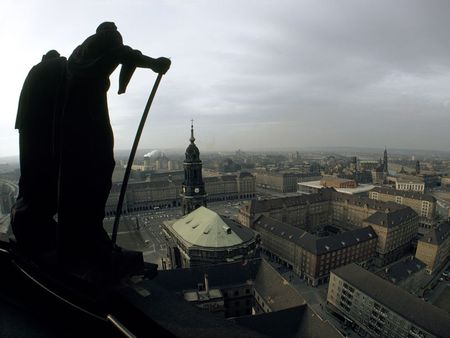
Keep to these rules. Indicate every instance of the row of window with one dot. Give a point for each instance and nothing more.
(371, 314)
(409, 186)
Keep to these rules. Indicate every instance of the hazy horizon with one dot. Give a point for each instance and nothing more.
(256, 74)
(339, 150)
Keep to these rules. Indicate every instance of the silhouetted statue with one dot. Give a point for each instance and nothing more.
(38, 115)
(66, 154)
(87, 159)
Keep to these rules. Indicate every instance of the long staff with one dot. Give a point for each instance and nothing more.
(123, 189)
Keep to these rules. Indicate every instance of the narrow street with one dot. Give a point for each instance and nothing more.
(315, 297)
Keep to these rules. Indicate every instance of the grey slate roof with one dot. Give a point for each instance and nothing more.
(324, 195)
(228, 178)
(438, 235)
(277, 293)
(405, 193)
(393, 218)
(178, 317)
(299, 321)
(259, 206)
(283, 323)
(245, 174)
(409, 178)
(365, 201)
(286, 231)
(243, 232)
(402, 270)
(345, 239)
(143, 185)
(294, 319)
(425, 315)
(311, 243)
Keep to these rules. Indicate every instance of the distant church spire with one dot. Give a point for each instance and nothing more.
(385, 161)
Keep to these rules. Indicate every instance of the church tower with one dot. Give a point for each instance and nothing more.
(193, 193)
(385, 161)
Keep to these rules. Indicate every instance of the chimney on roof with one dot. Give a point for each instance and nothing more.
(206, 283)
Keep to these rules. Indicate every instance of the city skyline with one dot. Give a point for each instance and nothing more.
(361, 153)
(256, 75)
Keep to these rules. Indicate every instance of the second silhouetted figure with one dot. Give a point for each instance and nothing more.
(87, 159)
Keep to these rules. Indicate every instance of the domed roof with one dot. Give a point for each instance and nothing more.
(203, 227)
(192, 153)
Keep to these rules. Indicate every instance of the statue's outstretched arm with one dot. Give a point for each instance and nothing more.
(135, 58)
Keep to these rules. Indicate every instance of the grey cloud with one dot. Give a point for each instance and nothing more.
(288, 73)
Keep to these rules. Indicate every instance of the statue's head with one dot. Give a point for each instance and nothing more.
(106, 26)
(51, 54)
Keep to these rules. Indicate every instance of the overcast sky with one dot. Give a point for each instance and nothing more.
(255, 74)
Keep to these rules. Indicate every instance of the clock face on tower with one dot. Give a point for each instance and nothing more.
(196, 190)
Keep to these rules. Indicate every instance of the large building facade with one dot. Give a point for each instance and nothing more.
(163, 193)
(337, 182)
(395, 230)
(328, 207)
(305, 211)
(277, 181)
(230, 187)
(409, 183)
(309, 212)
(382, 309)
(312, 257)
(434, 248)
(423, 204)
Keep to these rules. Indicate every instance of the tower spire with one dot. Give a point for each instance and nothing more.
(192, 139)
(193, 193)
(385, 160)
